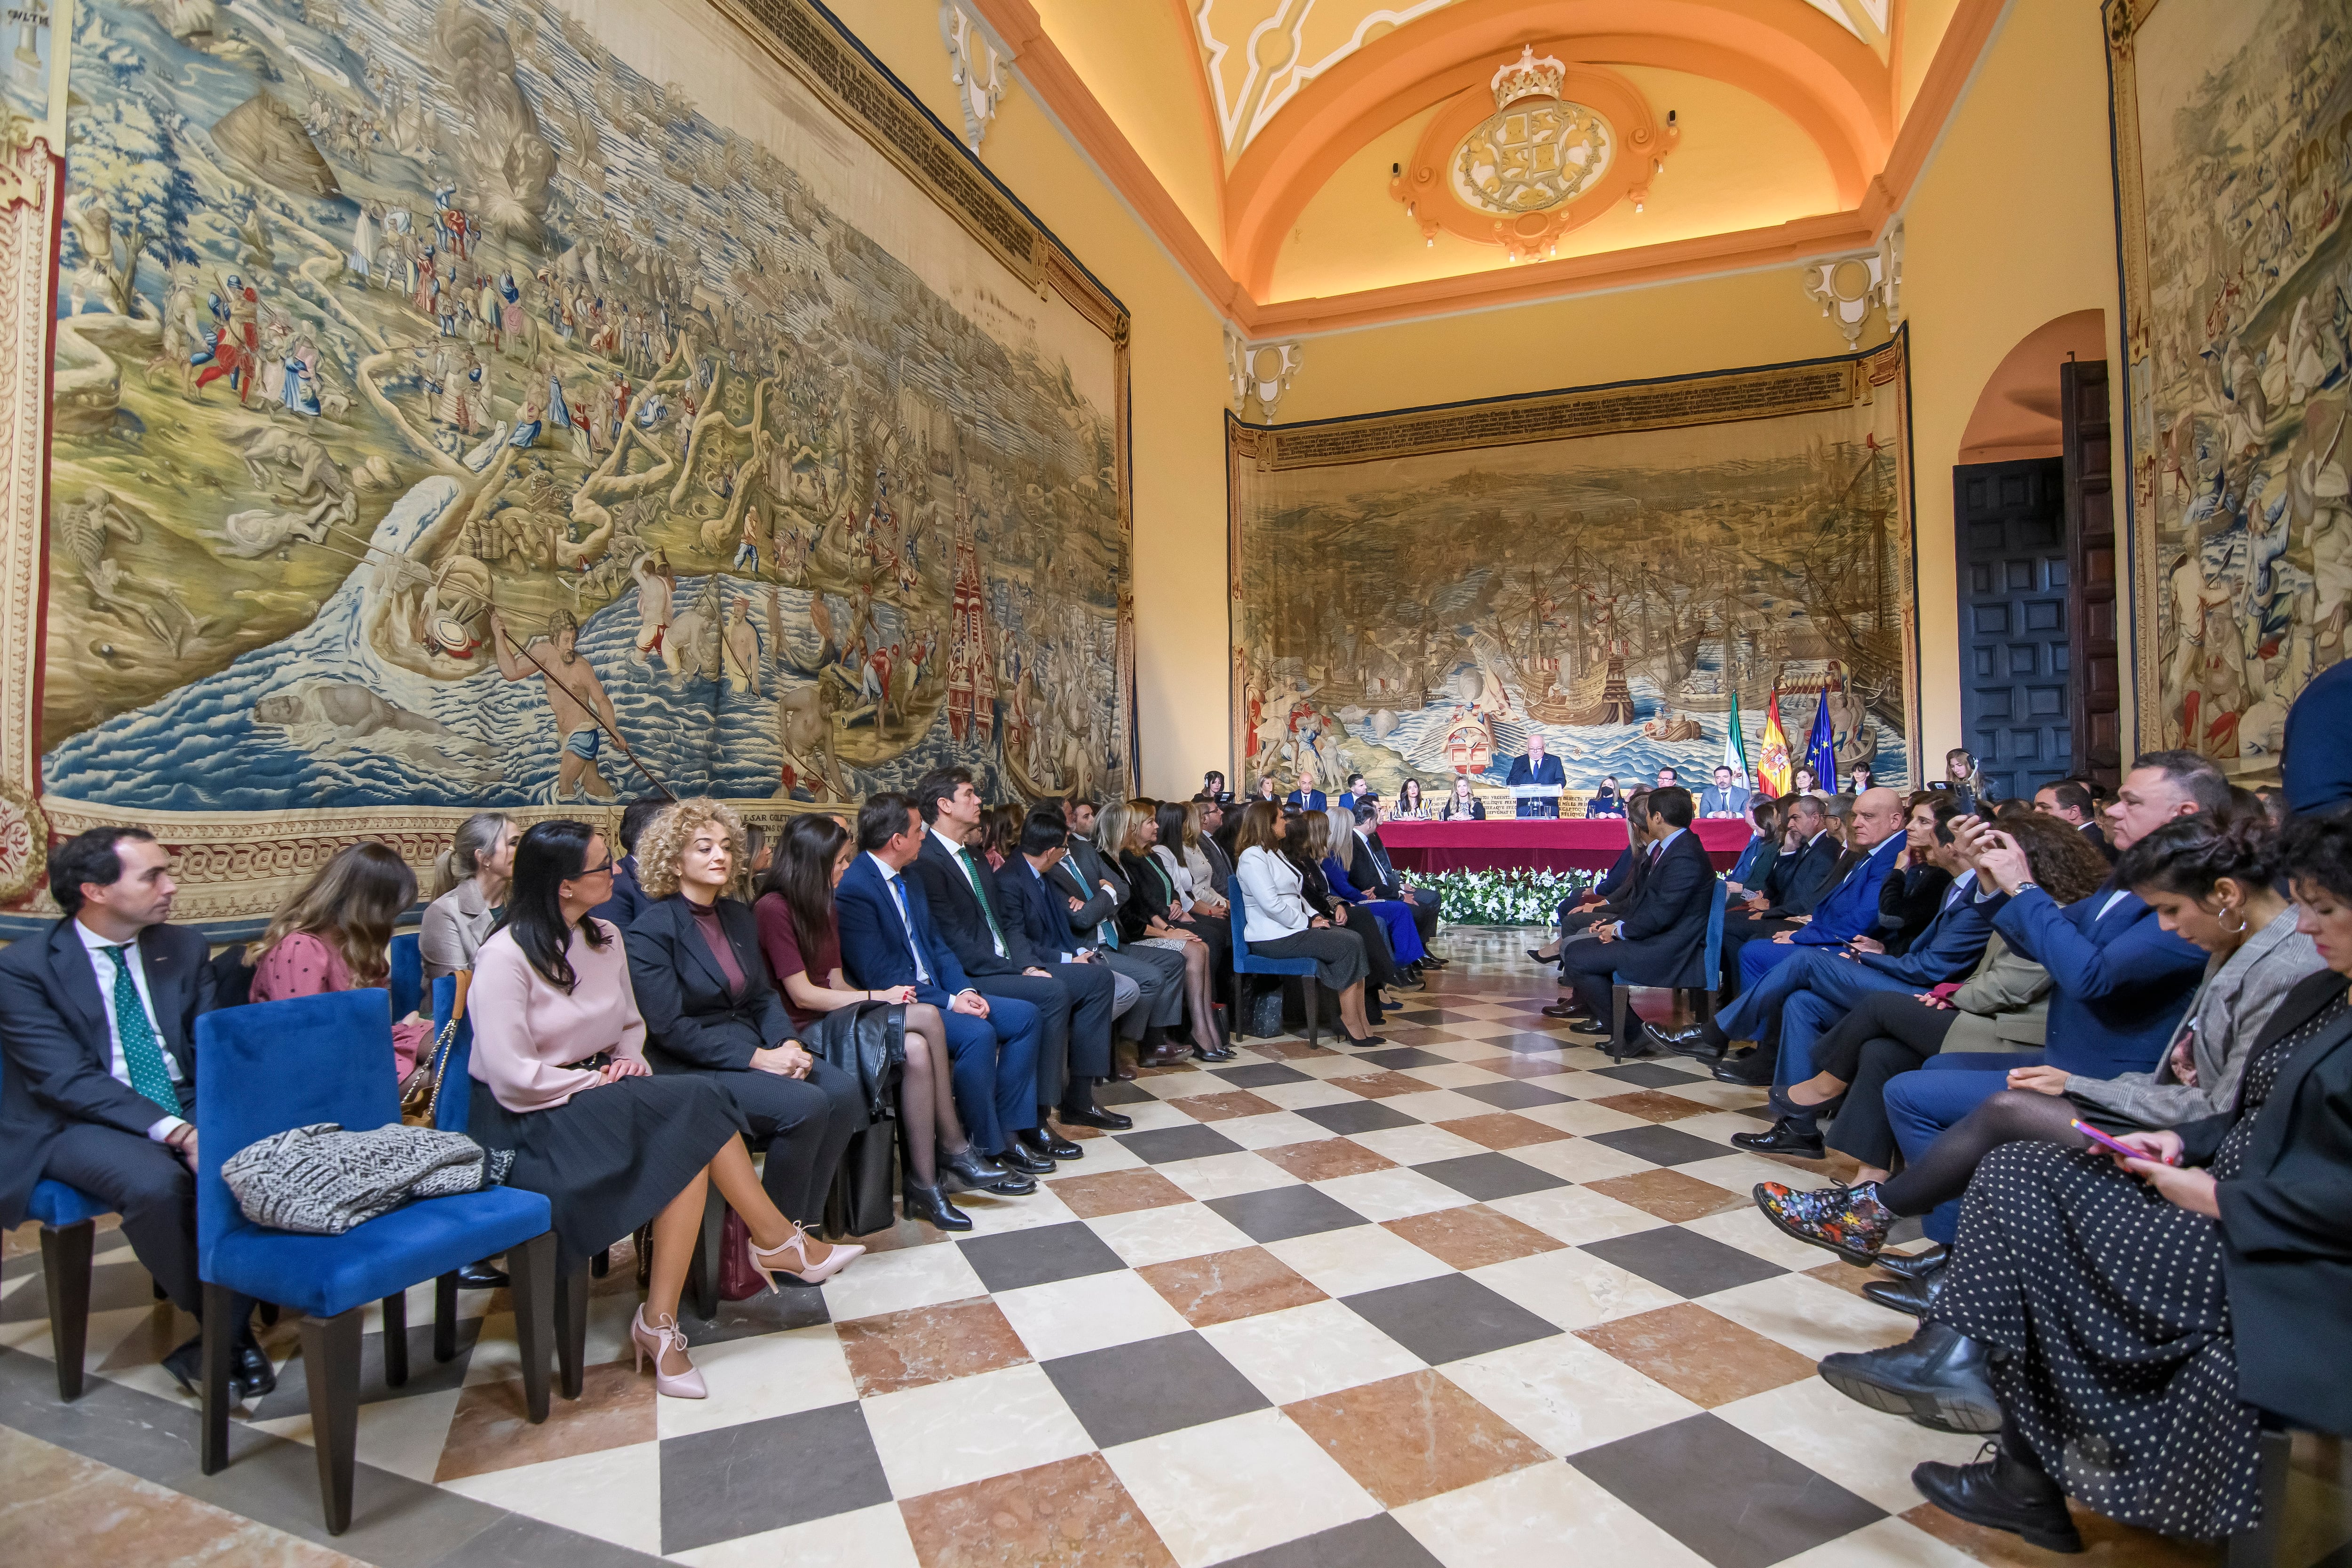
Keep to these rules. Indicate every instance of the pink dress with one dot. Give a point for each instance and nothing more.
(302, 965)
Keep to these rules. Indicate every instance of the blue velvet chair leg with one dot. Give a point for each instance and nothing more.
(395, 1340)
(572, 1333)
(444, 1317)
(531, 1273)
(330, 1367)
(219, 1347)
(65, 1271)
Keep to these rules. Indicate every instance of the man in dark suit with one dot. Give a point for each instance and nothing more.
(2071, 802)
(887, 940)
(1811, 856)
(1535, 768)
(1305, 796)
(1038, 892)
(1724, 796)
(1212, 845)
(628, 900)
(1101, 881)
(1605, 902)
(1385, 881)
(1662, 940)
(98, 1035)
(1074, 999)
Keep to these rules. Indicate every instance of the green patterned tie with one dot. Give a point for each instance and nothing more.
(142, 1053)
(972, 870)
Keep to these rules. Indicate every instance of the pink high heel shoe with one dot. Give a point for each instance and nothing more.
(655, 1341)
(768, 1262)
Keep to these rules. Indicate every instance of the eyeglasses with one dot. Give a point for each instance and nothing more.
(603, 871)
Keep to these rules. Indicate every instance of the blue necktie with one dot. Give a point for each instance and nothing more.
(898, 892)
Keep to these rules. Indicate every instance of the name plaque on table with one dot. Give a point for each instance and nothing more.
(1534, 792)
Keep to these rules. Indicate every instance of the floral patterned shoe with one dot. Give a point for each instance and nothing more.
(1848, 1221)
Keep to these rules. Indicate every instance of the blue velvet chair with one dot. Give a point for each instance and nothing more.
(1702, 997)
(1247, 963)
(274, 1065)
(68, 1217)
(407, 978)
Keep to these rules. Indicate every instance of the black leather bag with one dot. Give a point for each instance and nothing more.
(859, 1203)
(869, 1041)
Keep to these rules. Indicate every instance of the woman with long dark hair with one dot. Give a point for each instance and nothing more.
(1409, 807)
(559, 1078)
(336, 935)
(802, 943)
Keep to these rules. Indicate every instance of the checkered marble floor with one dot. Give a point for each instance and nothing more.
(1478, 1297)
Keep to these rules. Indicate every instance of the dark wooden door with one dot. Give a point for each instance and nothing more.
(2095, 689)
(2015, 664)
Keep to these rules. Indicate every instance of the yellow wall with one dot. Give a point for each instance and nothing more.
(1182, 641)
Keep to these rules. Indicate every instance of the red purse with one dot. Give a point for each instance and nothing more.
(737, 1279)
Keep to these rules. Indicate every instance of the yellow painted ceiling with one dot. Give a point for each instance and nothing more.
(1207, 90)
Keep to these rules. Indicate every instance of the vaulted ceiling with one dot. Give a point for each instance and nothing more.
(1325, 163)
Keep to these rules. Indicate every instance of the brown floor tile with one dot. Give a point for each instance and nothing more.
(903, 1234)
(1520, 1038)
(1381, 1085)
(1233, 1102)
(1472, 1237)
(1219, 1287)
(59, 1507)
(616, 1408)
(1513, 1064)
(1325, 1158)
(1070, 1513)
(1653, 1105)
(1669, 1194)
(1708, 1360)
(1418, 1035)
(1847, 1277)
(1503, 1130)
(2106, 1544)
(1119, 1192)
(1175, 1067)
(1410, 1437)
(923, 1345)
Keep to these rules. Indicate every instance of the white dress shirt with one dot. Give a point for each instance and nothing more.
(103, 967)
(944, 831)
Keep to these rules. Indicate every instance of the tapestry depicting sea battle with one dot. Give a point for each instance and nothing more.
(1620, 570)
(2233, 122)
(452, 409)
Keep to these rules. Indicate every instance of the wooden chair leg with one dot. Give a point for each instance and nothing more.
(66, 1253)
(1312, 990)
(395, 1341)
(571, 1296)
(702, 1273)
(1240, 1030)
(219, 1346)
(330, 1367)
(1619, 997)
(602, 1263)
(444, 1317)
(531, 1273)
(269, 1314)
(2258, 1547)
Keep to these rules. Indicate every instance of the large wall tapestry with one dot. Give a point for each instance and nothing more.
(2233, 148)
(451, 408)
(1620, 569)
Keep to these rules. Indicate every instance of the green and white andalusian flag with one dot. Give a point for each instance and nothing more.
(1735, 749)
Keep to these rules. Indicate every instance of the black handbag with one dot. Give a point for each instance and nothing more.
(859, 1203)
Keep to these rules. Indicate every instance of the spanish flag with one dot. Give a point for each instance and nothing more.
(1772, 773)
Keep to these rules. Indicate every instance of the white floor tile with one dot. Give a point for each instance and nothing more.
(614, 1494)
(1566, 1394)
(1547, 1513)
(1361, 1257)
(1392, 1195)
(893, 1281)
(1572, 1289)
(1572, 1214)
(1225, 1175)
(1162, 1234)
(1069, 1317)
(970, 1428)
(767, 1374)
(1303, 1352)
(1203, 1488)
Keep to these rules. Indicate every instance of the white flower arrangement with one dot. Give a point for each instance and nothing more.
(1512, 898)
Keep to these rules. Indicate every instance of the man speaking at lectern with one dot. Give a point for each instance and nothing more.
(1537, 768)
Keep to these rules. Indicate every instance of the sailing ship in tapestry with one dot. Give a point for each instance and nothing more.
(445, 413)
(1410, 613)
(2236, 116)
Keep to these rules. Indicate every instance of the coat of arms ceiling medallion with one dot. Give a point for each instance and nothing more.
(1538, 149)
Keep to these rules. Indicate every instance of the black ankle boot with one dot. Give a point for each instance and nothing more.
(930, 1205)
(1937, 1377)
(2008, 1491)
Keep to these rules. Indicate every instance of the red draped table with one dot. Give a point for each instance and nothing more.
(1579, 844)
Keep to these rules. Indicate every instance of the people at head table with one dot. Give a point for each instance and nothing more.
(1605, 801)
(1536, 772)
(1463, 804)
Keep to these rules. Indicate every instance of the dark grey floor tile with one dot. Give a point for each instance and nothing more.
(1536, 1043)
(1732, 1499)
(1651, 1075)
(1140, 1390)
(1278, 1213)
(1356, 1116)
(426, 1375)
(1486, 1177)
(1166, 1145)
(764, 1475)
(1448, 1318)
(1683, 1261)
(516, 1542)
(1398, 1057)
(1661, 1145)
(1513, 1094)
(1379, 1542)
(1015, 1258)
(1258, 1075)
(1116, 1092)
(768, 1312)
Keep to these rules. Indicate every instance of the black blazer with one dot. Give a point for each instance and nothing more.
(1220, 864)
(1041, 911)
(1148, 894)
(1665, 939)
(1796, 882)
(955, 914)
(1385, 880)
(58, 1057)
(1447, 811)
(2286, 1222)
(690, 1021)
(2098, 837)
(1907, 902)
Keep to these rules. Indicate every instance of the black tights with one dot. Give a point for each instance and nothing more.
(927, 1112)
(2014, 1115)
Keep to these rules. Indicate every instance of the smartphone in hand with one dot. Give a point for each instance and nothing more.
(2112, 1146)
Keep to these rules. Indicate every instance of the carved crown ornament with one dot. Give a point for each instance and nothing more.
(1542, 147)
(1259, 371)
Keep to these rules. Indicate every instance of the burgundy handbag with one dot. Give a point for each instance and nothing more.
(737, 1279)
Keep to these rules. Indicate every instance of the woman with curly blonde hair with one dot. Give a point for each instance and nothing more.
(710, 1007)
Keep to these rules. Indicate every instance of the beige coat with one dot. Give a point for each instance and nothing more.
(2004, 1005)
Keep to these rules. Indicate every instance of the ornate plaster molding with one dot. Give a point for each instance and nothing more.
(1848, 287)
(29, 177)
(1262, 372)
(977, 61)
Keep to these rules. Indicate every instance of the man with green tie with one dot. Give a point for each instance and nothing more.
(97, 1068)
(1074, 996)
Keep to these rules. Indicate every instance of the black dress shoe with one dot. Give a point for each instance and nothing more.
(1752, 1070)
(1937, 1377)
(973, 1169)
(1221, 1054)
(1565, 1010)
(1784, 1138)
(186, 1365)
(481, 1277)
(1911, 1296)
(1692, 1040)
(2002, 1493)
(1543, 957)
(1362, 1041)
(250, 1373)
(1050, 1145)
(1590, 1028)
(930, 1205)
(1021, 1162)
(1914, 1265)
(1094, 1116)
